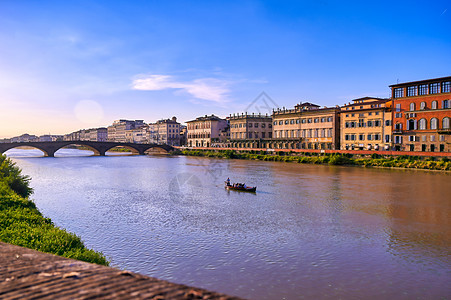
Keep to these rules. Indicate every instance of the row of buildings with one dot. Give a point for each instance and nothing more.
(166, 131)
(415, 118)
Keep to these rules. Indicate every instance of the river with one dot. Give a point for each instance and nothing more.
(310, 231)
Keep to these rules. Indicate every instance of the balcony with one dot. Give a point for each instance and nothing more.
(444, 131)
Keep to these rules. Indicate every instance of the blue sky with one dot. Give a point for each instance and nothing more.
(67, 65)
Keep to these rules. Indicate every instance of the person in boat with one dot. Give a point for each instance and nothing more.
(228, 181)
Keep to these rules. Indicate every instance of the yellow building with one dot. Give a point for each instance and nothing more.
(366, 124)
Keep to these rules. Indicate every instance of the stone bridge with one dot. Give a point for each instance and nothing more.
(99, 148)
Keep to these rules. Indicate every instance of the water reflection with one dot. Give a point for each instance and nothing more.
(309, 231)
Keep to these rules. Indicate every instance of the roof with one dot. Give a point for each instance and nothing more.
(207, 118)
(422, 81)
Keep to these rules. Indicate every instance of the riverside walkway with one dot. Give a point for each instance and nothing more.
(29, 274)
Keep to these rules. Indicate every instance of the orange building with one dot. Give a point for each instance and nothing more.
(421, 115)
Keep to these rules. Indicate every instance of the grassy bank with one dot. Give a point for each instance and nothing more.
(22, 224)
(375, 160)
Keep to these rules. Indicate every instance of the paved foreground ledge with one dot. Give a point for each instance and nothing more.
(29, 274)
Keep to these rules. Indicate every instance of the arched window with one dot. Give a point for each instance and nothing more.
(411, 124)
(445, 123)
(434, 104)
(423, 105)
(412, 106)
(422, 124)
(434, 123)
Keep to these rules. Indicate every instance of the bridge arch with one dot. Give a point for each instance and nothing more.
(90, 147)
(45, 153)
(129, 147)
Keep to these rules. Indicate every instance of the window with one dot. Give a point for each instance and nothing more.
(256, 125)
(422, 89)
(370, 137)
(286, 122)
(412, 91)
(250, 125)
(446, 86)
(441, 138)
(423, 105)
(352, 115)
(422, 124)
(424, 138)
(434, 123)
(303, 121)
(377, 123)
(387, 138)
(370, 114)
(309, 120)
(352, 124)
(347, 137)
(445, 123)
(275, 122)
(377, 137)
(280, 122)
(263, 125)
(398, 107)
(316, 120)
(361, 137)
(387, 123)
(398, 126)
(445, 104)
(361, 115)
(432, 138)
(412, 106)
(434, 88)
(263, 135)
(291, 121)
(323, 120)
(250, 135)
(398, 139)
(434, 104)
(329, 119)
(346, 124)
(352, 137)
(370, 123)
(297, 121)
(399, 92)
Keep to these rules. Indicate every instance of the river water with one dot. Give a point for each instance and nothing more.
(310, 231)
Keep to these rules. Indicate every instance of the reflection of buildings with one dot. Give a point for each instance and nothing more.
(366, 124)
(422, 114)
(419, 215)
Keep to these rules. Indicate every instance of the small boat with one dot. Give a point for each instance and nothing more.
(240, 187)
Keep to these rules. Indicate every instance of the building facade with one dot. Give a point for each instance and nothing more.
(166, 131)
(421, 115)
(93, 134)
(366, 124)
(204, 131)
(307, 126)
(249, 130)
(117, 131)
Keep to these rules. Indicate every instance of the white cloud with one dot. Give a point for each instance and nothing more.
(210, 89)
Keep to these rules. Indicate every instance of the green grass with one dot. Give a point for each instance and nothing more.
(22, 224)
(412, 162)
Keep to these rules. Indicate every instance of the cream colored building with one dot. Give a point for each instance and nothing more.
(205, 131)
(307, 126)
(248, 130)
(166, 131)
(366, 124)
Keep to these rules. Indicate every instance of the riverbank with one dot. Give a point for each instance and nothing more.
(22, 224)
(375, 160)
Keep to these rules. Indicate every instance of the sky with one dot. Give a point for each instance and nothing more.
(69, 65)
